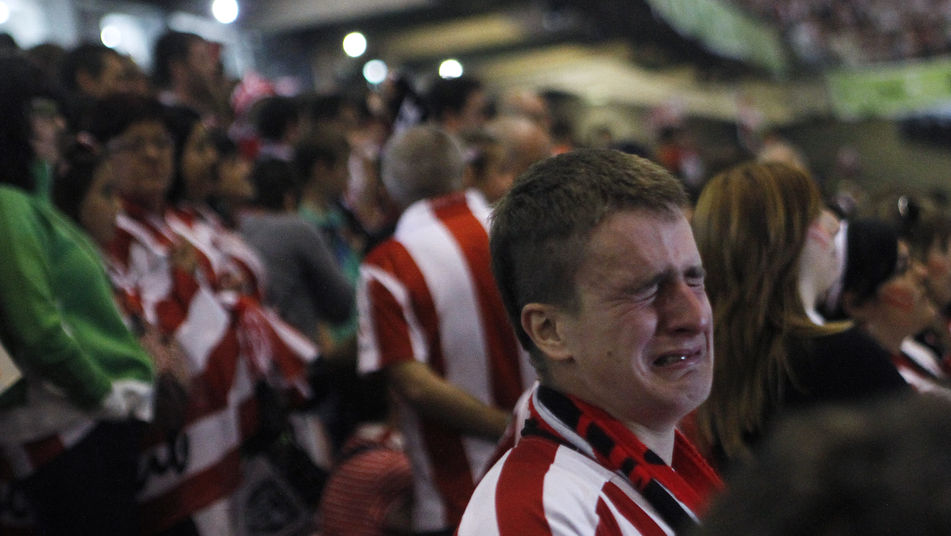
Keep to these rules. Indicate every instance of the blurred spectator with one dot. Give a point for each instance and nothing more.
(457, 104)
(87, 73)
(304, 282)
(232, 184)
(432, 320)
(485, 159)
(526, 103)
(871, 470)
(524, 142)
(769, 246)
(883, 291)
(48, 57)
(71, 427)
(677, 151)
(186, 72)
(29, 142)
(278, 124)
(92, 70)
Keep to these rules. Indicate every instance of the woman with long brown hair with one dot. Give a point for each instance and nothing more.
(768, 245)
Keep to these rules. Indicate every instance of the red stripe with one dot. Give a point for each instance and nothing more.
(607, 525)
(200, 490)
(644, 523)
(452, 474)
(470, 234)
(394, 344)
(391, 331)
(519, 493)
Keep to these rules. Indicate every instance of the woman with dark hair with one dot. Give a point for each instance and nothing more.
(884, 292)
(32, 124)
(71, 426)
(158, 270)
(226, 259)
(769, 246)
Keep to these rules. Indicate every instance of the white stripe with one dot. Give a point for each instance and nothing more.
(481, 516)
(210, 439)
(442, 262)
(369, 354)
(202, 329)
(570, 493)
(295, 341)
(368, 351)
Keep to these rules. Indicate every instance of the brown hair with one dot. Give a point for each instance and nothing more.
(750, 224)
(541, 227)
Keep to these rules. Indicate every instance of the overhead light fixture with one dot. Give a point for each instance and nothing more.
(450, 69)
(111, 36)
(4, 12)
(354, 44)
(225, 11)
(374, 71)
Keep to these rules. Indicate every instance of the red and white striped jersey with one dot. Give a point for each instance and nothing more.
(542, 488)
(551, 485)
(229, 342)
(428, 294)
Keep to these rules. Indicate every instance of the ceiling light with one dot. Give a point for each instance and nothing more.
(111, 36)
(450, 69)
(225, 11)
(354, 44)
(4, 12)
(374, 71)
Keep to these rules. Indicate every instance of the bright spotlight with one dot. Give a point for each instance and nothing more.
(225, 11)
(111, 36)
(374, 71)
(4, 12)
(354, 44)
(450, 69)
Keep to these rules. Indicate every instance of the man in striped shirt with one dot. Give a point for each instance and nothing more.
(600, 274)
(432, 320)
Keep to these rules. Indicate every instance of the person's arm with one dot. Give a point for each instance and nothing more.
(435, 398)
(389, 341)
(30, 310)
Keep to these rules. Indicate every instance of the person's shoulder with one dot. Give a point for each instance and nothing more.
(385, 252)
(539, 487)
(12, 195)
(851, 341)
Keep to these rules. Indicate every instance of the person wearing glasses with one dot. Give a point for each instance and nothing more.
(154, 266)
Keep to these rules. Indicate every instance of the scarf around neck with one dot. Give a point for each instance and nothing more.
(678, 493)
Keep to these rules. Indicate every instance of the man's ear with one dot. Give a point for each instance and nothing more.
(544, 324)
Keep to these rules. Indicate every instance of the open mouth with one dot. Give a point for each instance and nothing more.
(676, 358)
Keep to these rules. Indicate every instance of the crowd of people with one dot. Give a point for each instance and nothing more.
(423, 312)
(858, 32)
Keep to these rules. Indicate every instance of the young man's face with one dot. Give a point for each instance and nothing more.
(641, 340)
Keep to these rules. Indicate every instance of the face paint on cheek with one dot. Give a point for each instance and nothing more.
(903, 298)
(820, 236)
